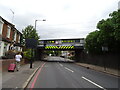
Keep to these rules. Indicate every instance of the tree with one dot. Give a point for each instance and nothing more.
(108, 35)
(115, 17)
(30, 32)
(92, 44)
(110, 31)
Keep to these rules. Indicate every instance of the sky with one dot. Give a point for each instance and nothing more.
(64, 18)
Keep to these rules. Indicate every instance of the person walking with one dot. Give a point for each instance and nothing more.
(17, 60)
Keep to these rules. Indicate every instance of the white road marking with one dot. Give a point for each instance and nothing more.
(94, 83)
(69, 69)
(61, 65)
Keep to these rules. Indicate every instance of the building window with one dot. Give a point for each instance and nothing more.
(5, 48)
(8, 32)
(14, 36)
(19, 38)
(1, 26)
(0, 47)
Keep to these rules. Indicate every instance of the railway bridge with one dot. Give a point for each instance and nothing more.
(76, 45)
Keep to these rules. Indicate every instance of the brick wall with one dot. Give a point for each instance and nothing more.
(11, 34)
(17, 37)
(4, 64)
(4, 32)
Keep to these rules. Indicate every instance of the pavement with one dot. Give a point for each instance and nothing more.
(21, 78)
(101, 69)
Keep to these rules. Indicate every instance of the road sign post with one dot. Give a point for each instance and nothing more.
(31, 43)
(104, 49)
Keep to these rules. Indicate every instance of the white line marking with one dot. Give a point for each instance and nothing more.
(69, 69)
(94, 83)
(61, 65)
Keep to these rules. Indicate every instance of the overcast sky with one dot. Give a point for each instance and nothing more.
(64, 18)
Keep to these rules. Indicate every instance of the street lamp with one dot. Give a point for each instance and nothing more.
(32, 49)
(38, 20)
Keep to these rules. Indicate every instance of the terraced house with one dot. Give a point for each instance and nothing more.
(10, 37)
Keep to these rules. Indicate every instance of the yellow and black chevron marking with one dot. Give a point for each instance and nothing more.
(59, 47)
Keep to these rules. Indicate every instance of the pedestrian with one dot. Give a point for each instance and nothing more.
(17, 60)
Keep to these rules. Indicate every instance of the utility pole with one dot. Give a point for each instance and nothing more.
(13, 15)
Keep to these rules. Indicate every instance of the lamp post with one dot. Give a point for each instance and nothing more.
(32, 49)
(38, 20)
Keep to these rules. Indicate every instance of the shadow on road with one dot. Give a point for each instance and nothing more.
(58, 61)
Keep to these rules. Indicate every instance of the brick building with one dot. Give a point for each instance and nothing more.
(10, 37)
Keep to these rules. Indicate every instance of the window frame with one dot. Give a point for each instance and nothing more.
(15, 35)
(1, 28)
(8, 31)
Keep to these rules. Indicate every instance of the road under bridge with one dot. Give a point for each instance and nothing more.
(76, 45)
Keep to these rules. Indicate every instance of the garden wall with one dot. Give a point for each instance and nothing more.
(4, 63)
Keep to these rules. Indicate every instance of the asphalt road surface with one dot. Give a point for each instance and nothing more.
(70, 75)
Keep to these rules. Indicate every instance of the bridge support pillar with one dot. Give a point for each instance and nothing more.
(39, 54)
(78, 55)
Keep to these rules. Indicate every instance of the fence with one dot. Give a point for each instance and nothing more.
(106, 60)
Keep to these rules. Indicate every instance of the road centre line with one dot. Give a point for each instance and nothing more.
(69, 69)
(93, 83)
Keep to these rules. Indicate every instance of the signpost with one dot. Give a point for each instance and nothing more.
(31, 43)
(104, 49)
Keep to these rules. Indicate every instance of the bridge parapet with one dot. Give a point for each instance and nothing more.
(63, 44)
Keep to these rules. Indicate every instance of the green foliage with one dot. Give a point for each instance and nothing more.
(57, 53)
(116, 21)
(49, 52)
(29, 32)
(108, 35)
(92, 42)
(27, 54)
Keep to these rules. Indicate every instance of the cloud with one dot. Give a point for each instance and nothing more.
(119, 5)
(64, 18)
(26, 19)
